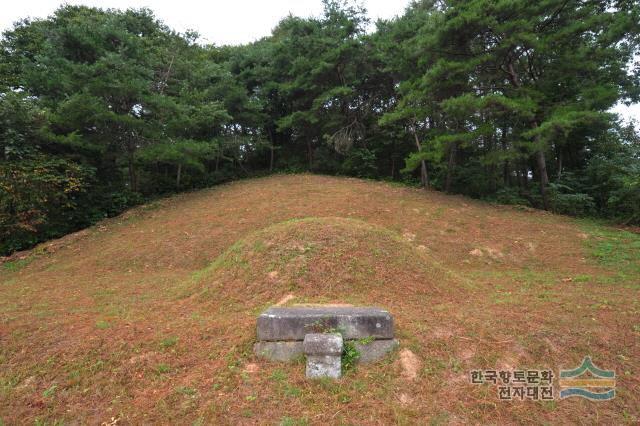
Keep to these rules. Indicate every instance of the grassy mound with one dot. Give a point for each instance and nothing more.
(150, 317)
(322, 260)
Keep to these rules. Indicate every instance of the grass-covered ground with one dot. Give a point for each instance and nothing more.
(150, 317)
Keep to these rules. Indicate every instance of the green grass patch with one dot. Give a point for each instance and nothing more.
(279, 375)
(291, 391)
(168, 342)
(16, 265)
(187, 391)
(8, 384)
(583, 278)
(44, 422)
(259, 246)
(102, 325)
(292, 421)
(366, 340)
(614, 249)
(50, 392)
(162, 368)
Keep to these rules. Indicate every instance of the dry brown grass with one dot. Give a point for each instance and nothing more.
(149, 317)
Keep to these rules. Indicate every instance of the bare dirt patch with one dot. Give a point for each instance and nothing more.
(410, 364)
(286, 299)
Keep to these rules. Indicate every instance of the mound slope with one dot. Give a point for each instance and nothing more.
(333, 260)
(149, 317)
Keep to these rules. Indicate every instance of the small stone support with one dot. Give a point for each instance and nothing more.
(323, 353)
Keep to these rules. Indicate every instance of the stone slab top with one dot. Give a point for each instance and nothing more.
(353, 322)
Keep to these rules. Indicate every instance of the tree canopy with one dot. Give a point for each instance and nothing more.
(504, 100)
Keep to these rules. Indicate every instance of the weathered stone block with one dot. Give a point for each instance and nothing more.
(323, 353)
(293, 323)
(319, 366)
(279, 351)
(323, 344)
(289, 351)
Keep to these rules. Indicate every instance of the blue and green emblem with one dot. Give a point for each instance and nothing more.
(602, 380)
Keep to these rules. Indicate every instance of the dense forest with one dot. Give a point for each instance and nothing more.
(501, 100)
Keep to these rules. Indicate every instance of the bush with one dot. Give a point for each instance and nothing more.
(360, 162)
(570, 195)
(615, 184)
(509, 195)
(565, 202)
(625, 199)
(36, 196)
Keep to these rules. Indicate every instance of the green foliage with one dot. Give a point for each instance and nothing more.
(97, 108)
(511, 83)
(350, 356)
(103, 109)
(360, 162)
(613, 174)
(366, 340)
(624, 201)
(508, 196)
(566, 200)
(37, 196)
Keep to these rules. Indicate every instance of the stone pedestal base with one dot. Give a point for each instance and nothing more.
(324, 353)
(279, 351)
(290, 351)
(317, 331)
(319, 366)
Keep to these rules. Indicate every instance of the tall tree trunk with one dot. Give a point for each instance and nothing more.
(272, 147)
(271, 157)
(491, 141)
(540, 158)
(393, 168)
(543, 177)
(393, 161)
(525, 176)
(451, 164)
(178, 175)
(242, 166)
(494, 177)
(424, 175)
(309, 154)
(506, 172)
(519, 178)
(133, 184)
(559, 163)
